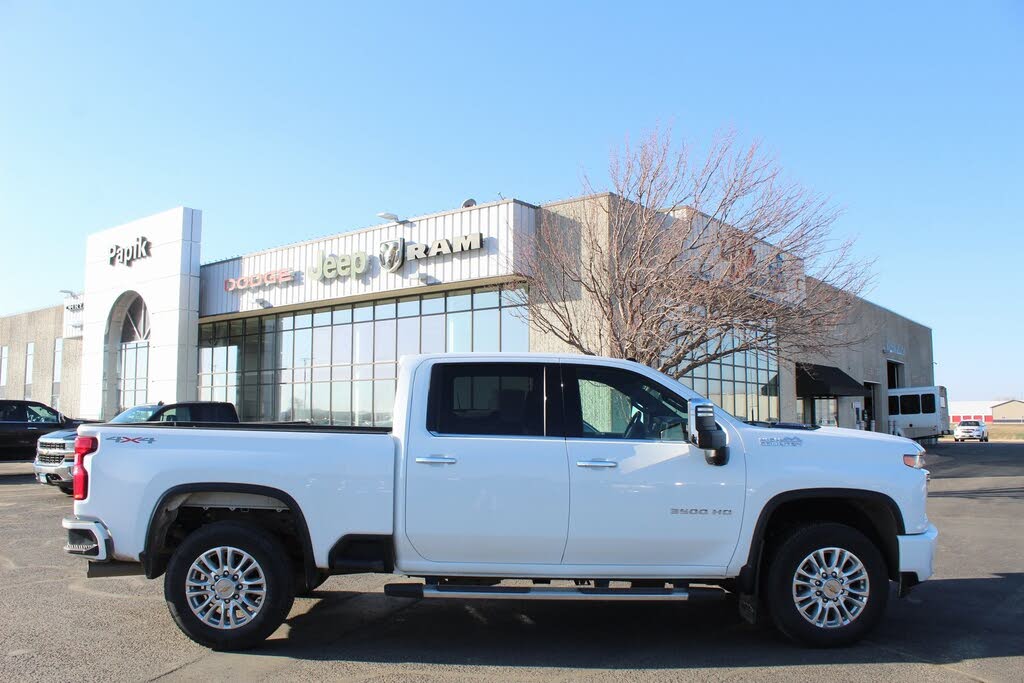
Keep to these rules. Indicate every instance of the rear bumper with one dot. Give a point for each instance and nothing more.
(88, 538)
(917, 552)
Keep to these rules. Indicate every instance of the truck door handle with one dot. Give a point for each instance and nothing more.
(436, 460)
(596, 463)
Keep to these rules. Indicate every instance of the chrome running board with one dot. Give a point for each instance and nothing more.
(448, 591)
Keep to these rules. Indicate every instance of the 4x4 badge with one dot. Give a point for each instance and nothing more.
(130, 439)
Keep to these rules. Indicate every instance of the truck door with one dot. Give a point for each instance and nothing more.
(641, 494)
(14, 432)
(486, 473)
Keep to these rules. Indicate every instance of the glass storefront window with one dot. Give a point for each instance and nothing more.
(362, 312)
(384, 309)
(459, 332)
(745, 384)
(408, 307)
(485, 298)
(432, 303)
(322, 317)
(432, 334)
(485, 329)
(459, 301)
(338, 365)
(384, 340)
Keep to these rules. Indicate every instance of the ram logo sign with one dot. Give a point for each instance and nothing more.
(392, 254)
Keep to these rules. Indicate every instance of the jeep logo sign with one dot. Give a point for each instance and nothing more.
(126, 253)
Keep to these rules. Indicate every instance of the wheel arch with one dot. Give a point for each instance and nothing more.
(154, 556)
(873, 513)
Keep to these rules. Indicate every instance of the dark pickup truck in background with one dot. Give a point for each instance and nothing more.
(23, 422)
(55, 450)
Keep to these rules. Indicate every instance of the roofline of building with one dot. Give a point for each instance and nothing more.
(30, 310)
(356, 231)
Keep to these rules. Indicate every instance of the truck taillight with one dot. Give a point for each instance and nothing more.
(84, 445)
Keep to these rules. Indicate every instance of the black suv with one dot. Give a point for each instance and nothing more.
(23, 422)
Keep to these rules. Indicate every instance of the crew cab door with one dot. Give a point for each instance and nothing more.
(641, 494)
(14, 432)
(486, 475)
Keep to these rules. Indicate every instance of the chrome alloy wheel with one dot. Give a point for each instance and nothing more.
(225, 587)
(831, 587)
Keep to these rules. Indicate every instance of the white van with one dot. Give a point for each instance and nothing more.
(919, 412)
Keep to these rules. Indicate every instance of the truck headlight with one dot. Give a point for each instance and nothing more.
(916, 460)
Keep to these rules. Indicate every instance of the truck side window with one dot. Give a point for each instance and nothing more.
(910, 404)
(41, 413)
(11, 411)
(928, 403)
(610, 403)
(499, 399)
(894, 405)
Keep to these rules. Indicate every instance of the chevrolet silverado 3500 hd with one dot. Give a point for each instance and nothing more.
(585, 478)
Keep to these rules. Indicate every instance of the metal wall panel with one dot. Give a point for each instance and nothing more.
(497, 222)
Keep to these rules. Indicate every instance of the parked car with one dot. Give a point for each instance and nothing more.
(23, 422)
(971, 429)
(591, 478)
(55, 452)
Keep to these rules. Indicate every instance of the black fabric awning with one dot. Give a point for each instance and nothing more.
(825, 380)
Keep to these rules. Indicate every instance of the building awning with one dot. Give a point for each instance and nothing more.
(825, 380)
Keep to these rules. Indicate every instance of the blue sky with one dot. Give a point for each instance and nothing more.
(283, 124)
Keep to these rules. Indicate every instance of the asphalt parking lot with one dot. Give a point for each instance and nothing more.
(965, 623)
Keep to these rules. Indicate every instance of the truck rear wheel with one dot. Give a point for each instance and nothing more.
(827, 585)
(229, 585)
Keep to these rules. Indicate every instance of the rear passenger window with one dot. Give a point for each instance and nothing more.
(500, 399)
(928, 403)
(894, 405)
(910, 404)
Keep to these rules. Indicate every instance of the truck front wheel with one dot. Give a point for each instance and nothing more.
(826, 586)
(229, 585)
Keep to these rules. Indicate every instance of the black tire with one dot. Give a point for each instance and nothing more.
(69, 490)
(272, 559)
(778, 588)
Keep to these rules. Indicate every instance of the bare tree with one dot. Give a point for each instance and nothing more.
(683, 263)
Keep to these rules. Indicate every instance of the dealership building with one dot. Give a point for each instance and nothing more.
(313, 330)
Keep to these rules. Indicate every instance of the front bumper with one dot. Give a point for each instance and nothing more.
(88, 538)
(917, 552)
(57, 475)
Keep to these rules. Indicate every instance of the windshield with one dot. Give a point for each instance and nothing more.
(969, 423)
(136, 414)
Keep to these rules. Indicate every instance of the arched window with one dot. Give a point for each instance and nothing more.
(133, 356)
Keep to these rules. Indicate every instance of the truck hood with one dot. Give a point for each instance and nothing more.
(61, 435)
(845, 433)
(847, 437)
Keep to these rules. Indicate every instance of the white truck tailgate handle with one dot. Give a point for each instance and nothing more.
(596, 463)
(436, 460)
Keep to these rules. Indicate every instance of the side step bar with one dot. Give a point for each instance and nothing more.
(430, 591)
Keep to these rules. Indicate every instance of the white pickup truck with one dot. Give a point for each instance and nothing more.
(574, 477)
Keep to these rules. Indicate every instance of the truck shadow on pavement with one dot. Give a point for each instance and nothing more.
(13, 479)
(943, 621)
